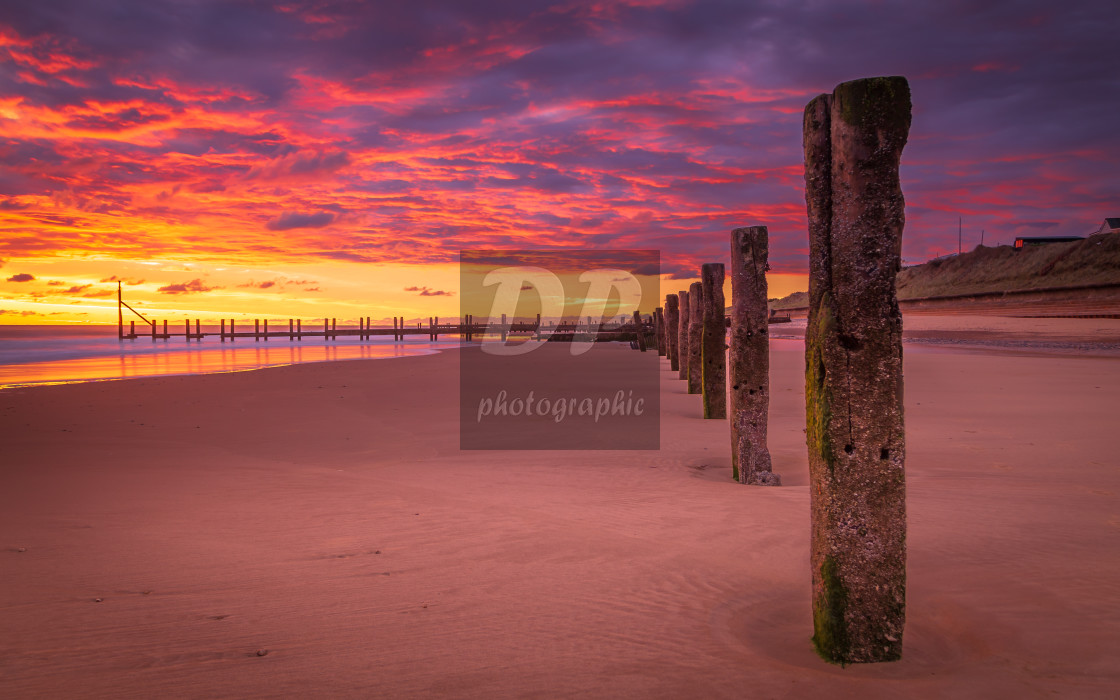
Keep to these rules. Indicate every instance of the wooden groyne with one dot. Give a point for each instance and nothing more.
(467, 328)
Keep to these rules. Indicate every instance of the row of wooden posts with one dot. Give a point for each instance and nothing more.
(467, 329)
(295, 331)
(853, 141)
(691, 330)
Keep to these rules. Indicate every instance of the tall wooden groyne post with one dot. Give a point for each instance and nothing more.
(749, 358)
(682, 335)
(695, 338)
(853, 142)
(713, 350)
(672, 323)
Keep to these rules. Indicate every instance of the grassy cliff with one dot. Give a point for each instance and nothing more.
(1091, 261)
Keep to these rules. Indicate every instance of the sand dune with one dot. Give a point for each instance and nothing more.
(158, 535)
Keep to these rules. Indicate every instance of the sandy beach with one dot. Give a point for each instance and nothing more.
(315, 531)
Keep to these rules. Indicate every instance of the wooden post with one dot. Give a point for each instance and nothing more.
(637, 330)
(187, 333)
(326, 329)
(165, 334)
(198, 329)
(749, 364)
(695, 338)
(538, 326)
(853, 143)
(505, 328)
(369, 332)
(231, 331)
(659, 331)
(672, 323)
(120, 313)
(153, 331)
(266, 330)
(223, 330)
(257, 330)
(299, 329)
(682, 335)
(713, 348)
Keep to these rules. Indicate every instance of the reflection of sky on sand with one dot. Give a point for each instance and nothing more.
(91, 361)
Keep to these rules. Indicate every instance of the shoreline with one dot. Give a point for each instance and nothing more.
(1052, 336)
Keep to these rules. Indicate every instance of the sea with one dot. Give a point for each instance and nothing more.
(33, 355)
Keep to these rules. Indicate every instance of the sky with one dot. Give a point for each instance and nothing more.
(313, 159)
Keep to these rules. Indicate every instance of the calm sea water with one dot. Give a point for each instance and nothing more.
(57, 354)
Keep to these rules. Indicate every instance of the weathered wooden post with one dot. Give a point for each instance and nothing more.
(291, 330)
(299, 329)
(672, 323)
(223, 330)
(682, 336)
(257, 330)
(713, 345)
(638, 331)
(165, 335)
(749, 363)
(695, 338)
(266, 330)
(853, 353)
(153, 330)
(187, 333)
(659, 330)
(231, 331)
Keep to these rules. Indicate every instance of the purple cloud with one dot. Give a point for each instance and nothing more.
(195, 286)
(292, 220)
(428, 292)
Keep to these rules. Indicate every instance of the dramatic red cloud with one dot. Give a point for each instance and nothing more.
(250, 136)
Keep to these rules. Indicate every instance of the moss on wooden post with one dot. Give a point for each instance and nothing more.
(853, 143)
